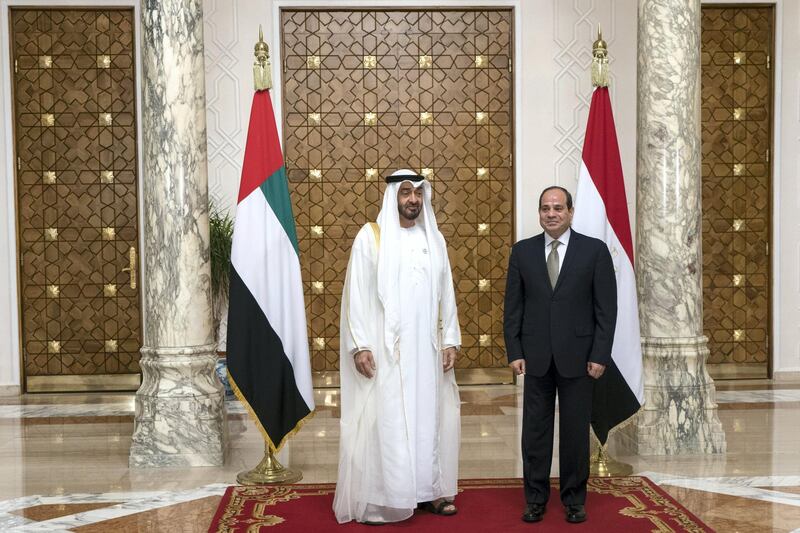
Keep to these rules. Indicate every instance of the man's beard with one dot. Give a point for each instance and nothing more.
(408, 214)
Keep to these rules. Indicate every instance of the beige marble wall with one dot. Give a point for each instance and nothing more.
(552, 106)
(553, 47)
(556, 90)
(553, 55)
(786, 230)
(231, 30)
(552, 67)
(9, 318)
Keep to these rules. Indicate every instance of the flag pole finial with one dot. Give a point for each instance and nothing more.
(262, 70)
(600, 71)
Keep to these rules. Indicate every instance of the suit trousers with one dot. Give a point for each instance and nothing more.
(538, 414)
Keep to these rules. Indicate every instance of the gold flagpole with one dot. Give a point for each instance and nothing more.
(599, 61)
(269, 470)
(601, 463)
(262, 69)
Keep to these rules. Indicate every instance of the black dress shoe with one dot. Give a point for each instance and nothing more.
(576, 514)
(534, 512)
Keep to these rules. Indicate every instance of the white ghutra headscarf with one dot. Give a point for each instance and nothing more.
(390, 285)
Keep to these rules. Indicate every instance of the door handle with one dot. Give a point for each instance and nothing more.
(132, 267)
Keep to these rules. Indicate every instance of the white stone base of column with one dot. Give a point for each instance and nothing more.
(680, 411)
(180, 409)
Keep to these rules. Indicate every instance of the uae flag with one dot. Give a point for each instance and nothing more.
(268, 361)
(601, 211)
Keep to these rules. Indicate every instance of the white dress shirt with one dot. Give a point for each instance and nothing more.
(562, 248)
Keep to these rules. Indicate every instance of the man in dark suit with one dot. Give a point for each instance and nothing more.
(559, 319)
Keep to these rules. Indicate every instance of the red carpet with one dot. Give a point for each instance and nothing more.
(628, 504)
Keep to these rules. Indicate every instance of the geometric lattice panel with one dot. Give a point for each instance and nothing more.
(75, 134)
(737, 96)
(367, 92)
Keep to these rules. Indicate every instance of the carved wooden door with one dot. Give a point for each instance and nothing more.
(75, 135)
(737, 96)
(367, 92)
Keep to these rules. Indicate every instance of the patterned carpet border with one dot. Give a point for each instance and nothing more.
(624, 503)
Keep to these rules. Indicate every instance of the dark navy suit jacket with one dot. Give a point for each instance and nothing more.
(570, 324)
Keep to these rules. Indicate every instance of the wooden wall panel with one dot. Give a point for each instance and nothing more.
(737, 95)
(75, 135)
(367, 92)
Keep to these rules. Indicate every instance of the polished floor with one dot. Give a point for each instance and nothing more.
(63, 461)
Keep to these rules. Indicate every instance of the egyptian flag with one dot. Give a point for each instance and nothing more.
(268, 361)
(601, 211)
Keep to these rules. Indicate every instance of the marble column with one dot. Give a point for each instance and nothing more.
(680, 414)
(180, 414)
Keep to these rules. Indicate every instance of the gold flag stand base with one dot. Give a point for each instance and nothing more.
(603, 465)
(269, 472)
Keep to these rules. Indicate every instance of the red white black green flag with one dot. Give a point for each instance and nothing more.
(268, 359)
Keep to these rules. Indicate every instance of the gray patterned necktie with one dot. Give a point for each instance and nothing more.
(552, 263)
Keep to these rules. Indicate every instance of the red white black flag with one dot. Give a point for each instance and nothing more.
(601, 211)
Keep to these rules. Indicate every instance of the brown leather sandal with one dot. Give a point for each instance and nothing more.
(441, 508)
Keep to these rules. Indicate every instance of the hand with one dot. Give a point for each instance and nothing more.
(518, 366)
(365, 364)
(449, 358)
(595, 370)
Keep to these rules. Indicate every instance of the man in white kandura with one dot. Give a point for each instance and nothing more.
(400, 425)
